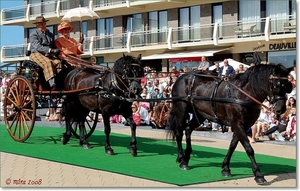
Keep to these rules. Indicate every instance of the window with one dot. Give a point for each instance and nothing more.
(278, 11)
(294, 8)
(84, 30)
(189, 23)
(134, 24)
(287, 57)
(158, 26)
(218, 17)
(250, 13)
(104, 28)
(42, 7)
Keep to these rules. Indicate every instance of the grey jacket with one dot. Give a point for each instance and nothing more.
(40, 42)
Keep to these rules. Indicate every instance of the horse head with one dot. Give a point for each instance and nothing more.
(279, 87)
(132, 71)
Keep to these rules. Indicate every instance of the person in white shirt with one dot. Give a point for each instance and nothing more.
(143, 113)
(226, 70)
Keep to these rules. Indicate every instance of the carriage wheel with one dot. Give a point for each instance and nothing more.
(90, 125)
(19, 108)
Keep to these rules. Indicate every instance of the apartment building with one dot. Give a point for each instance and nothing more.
(168, 32)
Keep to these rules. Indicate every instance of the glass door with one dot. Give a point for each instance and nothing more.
(218, 18)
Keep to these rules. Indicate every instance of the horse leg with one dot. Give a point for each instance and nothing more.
(67, 135)
(187, 154)
(240, 135)
(226, 162)
(180, 154)
(82, 140)
(259, 178)
(188, 135)
(133, 142)
(107, 130)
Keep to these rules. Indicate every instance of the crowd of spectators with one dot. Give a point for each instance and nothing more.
(158, 86)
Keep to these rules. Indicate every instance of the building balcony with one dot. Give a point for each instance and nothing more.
(216, 34)
(55, 10)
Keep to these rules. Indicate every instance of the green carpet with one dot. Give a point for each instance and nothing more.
(155, 160)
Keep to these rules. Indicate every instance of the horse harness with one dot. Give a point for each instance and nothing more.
(213, 98)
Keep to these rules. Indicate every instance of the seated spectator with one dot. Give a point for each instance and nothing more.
(143, 113)
(293, 92)
(226, 69)
(5, 81)
(115, 118)
(160, 115)
(263, 120)
(291, 126)
(242, 69)
(136, 114)
(156, 94)
(290, 103)
(280, 127)
(251, 132)
(203, 65)
(52, 115)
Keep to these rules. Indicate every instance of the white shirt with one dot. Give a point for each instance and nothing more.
(144, 115)
(224, 70)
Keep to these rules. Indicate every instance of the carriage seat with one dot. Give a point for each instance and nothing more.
(30, 64)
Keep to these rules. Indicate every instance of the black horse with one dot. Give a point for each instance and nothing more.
(235, 102)
(111, 95)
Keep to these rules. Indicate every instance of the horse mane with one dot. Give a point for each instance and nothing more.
(256, 75)
(119, 64)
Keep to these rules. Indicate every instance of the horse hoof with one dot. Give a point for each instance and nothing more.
(110, 152)
(65, 140)
(133, 152)
(226, 173)
(184, 167)
(260, 180)
(86, 146)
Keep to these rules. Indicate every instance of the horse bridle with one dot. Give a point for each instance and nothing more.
(275, 89)
(123, 77)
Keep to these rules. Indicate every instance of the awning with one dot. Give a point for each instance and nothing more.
(184, 54)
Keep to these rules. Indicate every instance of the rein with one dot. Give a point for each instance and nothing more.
(116, 78)
(251, 97)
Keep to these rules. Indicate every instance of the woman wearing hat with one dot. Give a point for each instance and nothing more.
(68, 45)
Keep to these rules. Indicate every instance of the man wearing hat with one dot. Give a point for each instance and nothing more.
(68, 45)
(43, 50)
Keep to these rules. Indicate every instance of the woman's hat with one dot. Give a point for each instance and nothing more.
(40, 19)
(64, 25)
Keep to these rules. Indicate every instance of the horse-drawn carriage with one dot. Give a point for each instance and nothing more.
(234, 102)
(29, 87)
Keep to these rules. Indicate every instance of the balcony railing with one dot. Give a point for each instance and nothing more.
(13, 13)
(180, 36)
(106, 3)
(59, 7)
(14, 51)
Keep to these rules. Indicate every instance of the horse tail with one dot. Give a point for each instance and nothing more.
(171, 126)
